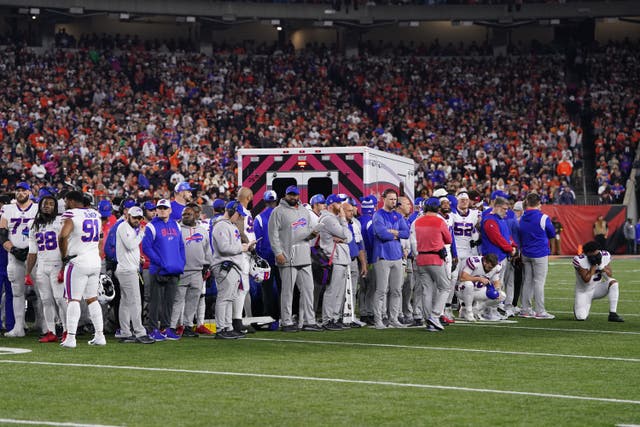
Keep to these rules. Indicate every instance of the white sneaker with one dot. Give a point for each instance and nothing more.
(544, 315)
(435, 322)
(358, 322)
(98, 340)
(15, 333)
(68, 343)
(527, 313)
(467, 315)
(380, 325)
(397, 325)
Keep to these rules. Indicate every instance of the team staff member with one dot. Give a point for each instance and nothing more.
(198, 259)
(128, 238)
(496, 237)
(271, 288)
(228, 253)
(535, 230)
(162, 244)
(14, 236)
(80, 240)
(429, 235)
(182, 196)
(358, 267)
(289, 233)
(594, 281)
(388, 228)
(43, 248)
(245, 225)
(334, 240)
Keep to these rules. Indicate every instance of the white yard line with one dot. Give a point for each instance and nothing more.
(332, 380)
(593, 331)
(432, 348)
(48, 423)
(598, 314)
(571, 299)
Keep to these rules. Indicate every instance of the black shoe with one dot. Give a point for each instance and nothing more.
(250, 329)
(227, 335)
(417, 322)
(289, 328)
(355, 325)
(385, 321)
(239, 327)
(615, 317)
(343, 325)
(312, 328)
(188, 333)
(332, 326)
(368, 320)
(238, 334)
(127, 340)
(144, 339)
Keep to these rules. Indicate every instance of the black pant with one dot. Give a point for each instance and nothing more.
(163, 292)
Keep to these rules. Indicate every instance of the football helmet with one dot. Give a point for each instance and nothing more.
(260, 269)
(106, 289)
(492, 292)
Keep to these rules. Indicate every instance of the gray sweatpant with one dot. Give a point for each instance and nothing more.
(435, 288)
(534, 276)
(130, 311)
(408, 299)
(228, 283)
(334, 294)
(187, 298)
(301, 277)
(367, 293)
(389, 279)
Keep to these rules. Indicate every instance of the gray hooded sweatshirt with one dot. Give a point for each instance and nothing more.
(289, 227)
(334, 226)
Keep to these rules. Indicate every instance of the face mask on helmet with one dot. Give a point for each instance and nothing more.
(106, 289)
(260, 269)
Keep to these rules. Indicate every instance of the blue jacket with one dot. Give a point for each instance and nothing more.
(514, 227)
(489, 247)
(385, 245)
(354, 248)
(162, 244)
(110, 243)
(4, 260)
(535, 231)
(367, 235)
(261, 230)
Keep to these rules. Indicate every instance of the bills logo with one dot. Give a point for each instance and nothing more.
(196, 238)
(299, 223)
(236, 233)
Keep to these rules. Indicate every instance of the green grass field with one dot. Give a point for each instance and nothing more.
(535, 373)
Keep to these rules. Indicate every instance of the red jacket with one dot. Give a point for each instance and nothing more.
(431, 234)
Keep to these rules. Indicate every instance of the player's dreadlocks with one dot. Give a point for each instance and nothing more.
(41, 218)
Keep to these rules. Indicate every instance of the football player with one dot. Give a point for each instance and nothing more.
(479, 273)
(594, 281)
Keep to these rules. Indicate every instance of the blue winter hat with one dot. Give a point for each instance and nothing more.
(149, 205)
(367, 204)
(235, 206)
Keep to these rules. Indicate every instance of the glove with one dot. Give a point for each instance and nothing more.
(20, 254)
(28, 281)
(454, 264)
(61, 275)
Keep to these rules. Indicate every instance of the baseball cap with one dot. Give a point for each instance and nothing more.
(136, 211)
(336, 198)
(432, 202)
(105, 208)
(270, 196)
(518, 206)
(149, 205)
(236, 206)
(128, 203)
(183, 186)
(292, 189)
(23, 185)
(440, 192)
(317, 198)
(47, 192)
(418, 201)
(218, 204)
(163, 202)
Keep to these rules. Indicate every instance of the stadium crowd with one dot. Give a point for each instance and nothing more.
(137, 122)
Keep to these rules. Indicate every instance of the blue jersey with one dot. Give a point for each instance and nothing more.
(261, 230)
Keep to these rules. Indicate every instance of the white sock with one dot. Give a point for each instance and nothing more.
(73, 316)
(614, 293)
(95, 313)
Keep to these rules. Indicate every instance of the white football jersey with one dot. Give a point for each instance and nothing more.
(44, 241)
(474, 267)
(19, 222)
(581, 261)
(464, 231)
(84, 240)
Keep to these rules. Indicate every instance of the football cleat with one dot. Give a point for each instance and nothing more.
(49, 337)
(203, 330)
(98, 340)
(615, 317)
(544, 316)
(15, 333)
(435, 322)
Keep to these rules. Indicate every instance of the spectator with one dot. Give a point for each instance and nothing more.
(600, 232)
(630, 236)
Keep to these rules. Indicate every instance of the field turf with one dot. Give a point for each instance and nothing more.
(531, 373)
